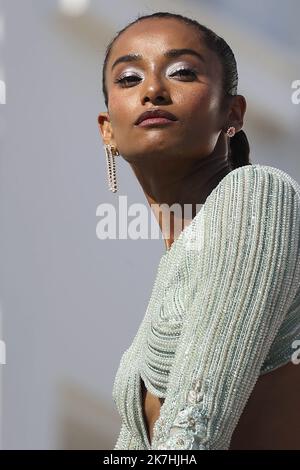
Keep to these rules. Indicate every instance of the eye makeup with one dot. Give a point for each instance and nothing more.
(182, 69)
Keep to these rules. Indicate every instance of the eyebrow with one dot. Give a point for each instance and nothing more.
(171, 53)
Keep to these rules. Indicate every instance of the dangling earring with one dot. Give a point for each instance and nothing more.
(111, 152)
(230, 131)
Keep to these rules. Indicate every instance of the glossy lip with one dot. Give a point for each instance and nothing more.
(155, 122)
(155, 113)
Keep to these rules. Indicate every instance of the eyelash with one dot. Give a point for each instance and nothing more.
(124, 79)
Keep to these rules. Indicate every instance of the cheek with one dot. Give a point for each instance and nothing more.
(122, 112)
(201, 106)
(113, 107)
(201, 114)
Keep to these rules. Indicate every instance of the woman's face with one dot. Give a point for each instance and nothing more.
(186, 85)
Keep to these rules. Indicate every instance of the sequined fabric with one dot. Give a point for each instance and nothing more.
(224, 309)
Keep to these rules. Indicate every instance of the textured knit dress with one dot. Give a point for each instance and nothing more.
(224, 309)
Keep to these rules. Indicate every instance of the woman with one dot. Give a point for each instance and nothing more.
(213, 364)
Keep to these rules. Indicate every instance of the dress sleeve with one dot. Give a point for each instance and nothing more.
(247, 274)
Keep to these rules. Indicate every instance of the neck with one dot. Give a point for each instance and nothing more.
(180, 181)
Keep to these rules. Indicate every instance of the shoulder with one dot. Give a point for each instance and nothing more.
(264, 173)
(255, 178)
(257, 189)
(250, 205)
(251, 192)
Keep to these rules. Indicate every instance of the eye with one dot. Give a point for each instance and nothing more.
(185, 72)
(122, 80)
(131, 79)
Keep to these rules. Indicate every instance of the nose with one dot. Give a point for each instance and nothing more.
(155, 89)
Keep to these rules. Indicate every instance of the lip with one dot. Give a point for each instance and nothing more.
(155, 116)
(155, 121)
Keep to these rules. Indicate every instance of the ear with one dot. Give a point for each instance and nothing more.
(236, 112)
(105, 129)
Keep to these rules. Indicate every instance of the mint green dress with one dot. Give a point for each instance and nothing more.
(224, 310)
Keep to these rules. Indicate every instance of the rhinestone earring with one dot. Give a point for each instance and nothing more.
(111, 152)
(230, 131)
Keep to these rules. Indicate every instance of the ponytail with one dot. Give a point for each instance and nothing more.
(239, 150)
